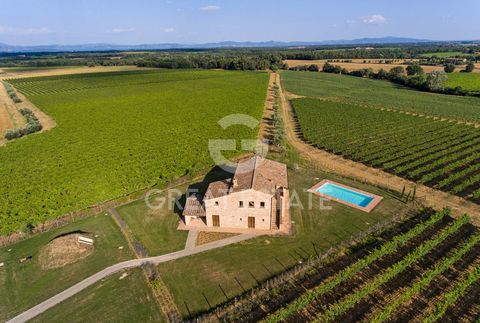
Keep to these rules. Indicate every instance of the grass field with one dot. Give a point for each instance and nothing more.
(468, 81)
(441, 154)
(110, 300)
(25, 285)
(155, 229)
(380, 94)
(242, 266)
(117, 133)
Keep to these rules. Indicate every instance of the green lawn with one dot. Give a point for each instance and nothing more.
(25, 285)
(155, 229)
(118, 133)
(468, 81)
(380, 94)
(110, 300)
(195, 279)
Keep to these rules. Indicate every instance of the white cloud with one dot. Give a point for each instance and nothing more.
(122, 30)
(169, 30)
(210, 8)
(25, 31)
(374, 20)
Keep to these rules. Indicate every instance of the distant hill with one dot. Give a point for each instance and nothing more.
(225, 44)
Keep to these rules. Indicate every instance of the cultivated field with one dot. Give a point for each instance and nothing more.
(381, 94)
(23, 72)
(117, 133)
(429, 269)
(440, 154)
(467, 81)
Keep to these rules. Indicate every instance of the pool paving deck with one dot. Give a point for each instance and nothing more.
(376, 198)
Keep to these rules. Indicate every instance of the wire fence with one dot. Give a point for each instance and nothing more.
(237, 307)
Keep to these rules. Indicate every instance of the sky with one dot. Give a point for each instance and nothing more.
(42, 22)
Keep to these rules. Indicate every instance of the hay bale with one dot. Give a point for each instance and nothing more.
(63, 251)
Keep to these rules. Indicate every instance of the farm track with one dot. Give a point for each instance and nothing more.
(16, 120)
(348, 168)
(9, 115)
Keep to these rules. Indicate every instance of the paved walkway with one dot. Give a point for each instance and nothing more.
(51, 302)
(191, 240)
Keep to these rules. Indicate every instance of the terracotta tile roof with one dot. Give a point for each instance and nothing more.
(217, 189)
(194, 206)
(255, 173)
(269, 175)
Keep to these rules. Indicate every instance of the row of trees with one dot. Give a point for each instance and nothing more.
(413, 76)
(32, 125)
(206, 61)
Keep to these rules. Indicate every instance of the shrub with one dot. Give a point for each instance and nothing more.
(414, 69)
(470, 67)
(435, 80)
(449, 68)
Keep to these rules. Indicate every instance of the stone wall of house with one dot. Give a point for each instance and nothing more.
(232, 215)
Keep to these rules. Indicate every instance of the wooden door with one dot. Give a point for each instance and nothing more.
(251, 222)
(216, 220)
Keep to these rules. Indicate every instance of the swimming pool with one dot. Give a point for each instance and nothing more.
(346, 195)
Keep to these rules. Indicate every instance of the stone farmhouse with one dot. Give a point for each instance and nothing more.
(256, 197)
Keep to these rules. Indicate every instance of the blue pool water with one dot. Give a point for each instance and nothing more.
(345, 194)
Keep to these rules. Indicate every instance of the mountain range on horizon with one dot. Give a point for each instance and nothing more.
(225, 44)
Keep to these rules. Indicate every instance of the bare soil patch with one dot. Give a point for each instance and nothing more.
(207, 237)
(63, 251)
(358, 64)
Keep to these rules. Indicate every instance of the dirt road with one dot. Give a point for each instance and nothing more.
(337, 164)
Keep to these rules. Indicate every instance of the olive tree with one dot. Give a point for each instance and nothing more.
(435, 80)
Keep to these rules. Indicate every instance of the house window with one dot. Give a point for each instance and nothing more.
(251, 204)
(240, 204)
(262, 204)
(216, 203)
